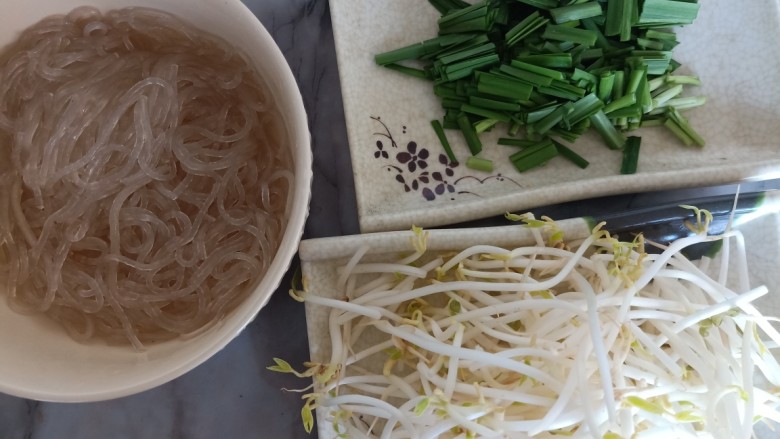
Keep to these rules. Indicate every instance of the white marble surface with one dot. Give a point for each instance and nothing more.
(233, 396)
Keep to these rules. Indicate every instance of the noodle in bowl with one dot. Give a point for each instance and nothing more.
(155, 167)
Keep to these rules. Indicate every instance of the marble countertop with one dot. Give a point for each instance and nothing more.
(233, 395)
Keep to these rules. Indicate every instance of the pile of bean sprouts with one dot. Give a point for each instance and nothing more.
(145, 175)
(593, 339)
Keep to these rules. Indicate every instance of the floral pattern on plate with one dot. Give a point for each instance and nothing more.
(417, 170)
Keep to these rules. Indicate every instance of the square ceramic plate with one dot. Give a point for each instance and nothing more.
(320, 258)
(402, 178)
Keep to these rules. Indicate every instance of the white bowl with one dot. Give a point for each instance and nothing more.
(38, 360)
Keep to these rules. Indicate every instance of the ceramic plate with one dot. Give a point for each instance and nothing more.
(402, 178)
(757, 217)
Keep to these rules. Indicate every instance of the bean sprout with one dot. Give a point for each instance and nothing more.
(595, 338)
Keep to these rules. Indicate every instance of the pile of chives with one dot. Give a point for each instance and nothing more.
(549, 70)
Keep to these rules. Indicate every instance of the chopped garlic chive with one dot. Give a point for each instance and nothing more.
(552, 119)
(577, 11)
(678, 79)
(686, 102)
(493, 104)
(525, 28)
(531, 78)
(541, 4)
(571, 155)
(620, 17)
(565, 33)
(625, 101)
(522, 143)
(540, 113)
(479, 164)
(461, 55)
(677, 131)
(485, 125)
(472, 139)
(439, 130)
(611, 136)
(444, 6)
(539, 70)
(630, 155)
(551, 60)
(534, 156)
(584, 108)
(618, 89)
(418, 50)
(489, 114)
(682, 123)
(417, 73)
(606, 83)
(665, 13)
(663, 97)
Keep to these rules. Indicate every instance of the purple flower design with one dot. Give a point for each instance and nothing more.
(442, 184)
(415, 183)
(380, 151)
(416, 170)
(412, 158)
(444, 160)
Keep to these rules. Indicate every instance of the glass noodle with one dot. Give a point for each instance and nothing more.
(145, 172)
